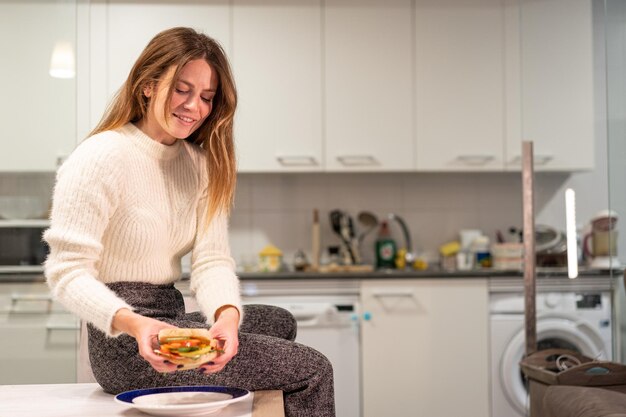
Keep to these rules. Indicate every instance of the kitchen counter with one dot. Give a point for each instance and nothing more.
(429, 273)
(35, 274)
(80, 400)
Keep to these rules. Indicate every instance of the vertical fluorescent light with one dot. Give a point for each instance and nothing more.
(570, 224)
(62, 63)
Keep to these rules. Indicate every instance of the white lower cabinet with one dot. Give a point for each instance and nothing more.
(41, 337)
(424, 342)
(425, 347)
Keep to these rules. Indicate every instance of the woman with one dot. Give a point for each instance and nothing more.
(154, 180)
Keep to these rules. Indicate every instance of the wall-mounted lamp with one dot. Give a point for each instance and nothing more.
(62, 63)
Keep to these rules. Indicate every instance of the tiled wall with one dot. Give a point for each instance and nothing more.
(26, 184)
(278, 208)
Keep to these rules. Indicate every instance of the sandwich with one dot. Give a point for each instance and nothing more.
(188, 347)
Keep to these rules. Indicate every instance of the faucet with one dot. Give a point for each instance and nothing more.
(409, 257)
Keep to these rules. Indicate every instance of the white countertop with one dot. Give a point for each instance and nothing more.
(84, 400)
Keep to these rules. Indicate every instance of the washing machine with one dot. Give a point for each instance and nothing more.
(578, 321)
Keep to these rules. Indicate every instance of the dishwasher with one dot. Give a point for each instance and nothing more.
(328, 321)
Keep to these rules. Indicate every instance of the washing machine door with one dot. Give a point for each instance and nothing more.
(553, 331)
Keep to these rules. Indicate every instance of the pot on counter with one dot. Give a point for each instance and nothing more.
(551, 247)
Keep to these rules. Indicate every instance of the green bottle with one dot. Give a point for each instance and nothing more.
(385, 248)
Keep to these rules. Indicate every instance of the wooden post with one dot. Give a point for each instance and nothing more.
(529, 247)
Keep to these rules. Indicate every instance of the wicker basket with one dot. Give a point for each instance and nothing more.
(565, 367)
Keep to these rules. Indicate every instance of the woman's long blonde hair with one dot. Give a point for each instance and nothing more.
(175, 47)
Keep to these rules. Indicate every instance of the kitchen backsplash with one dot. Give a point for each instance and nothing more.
(278, 208)
(26, 184)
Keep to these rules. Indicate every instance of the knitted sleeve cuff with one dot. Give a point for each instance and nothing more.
(215, 288)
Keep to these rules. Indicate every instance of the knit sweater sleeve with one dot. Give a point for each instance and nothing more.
(213, 279)
(85, 197)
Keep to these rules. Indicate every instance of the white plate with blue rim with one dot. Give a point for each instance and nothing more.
(188, 401)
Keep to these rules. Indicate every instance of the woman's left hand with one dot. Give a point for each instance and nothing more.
(225, 329)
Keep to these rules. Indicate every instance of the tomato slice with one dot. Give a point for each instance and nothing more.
(191, 342)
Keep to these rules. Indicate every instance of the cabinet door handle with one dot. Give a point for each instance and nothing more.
(537, 159)
(16, 298)
(62, 326)
(297, 161)
(357, 160)
(311, 321)
(475, 160)
(367, 316)
(393, 293)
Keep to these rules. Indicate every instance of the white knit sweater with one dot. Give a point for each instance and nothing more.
(127, 208)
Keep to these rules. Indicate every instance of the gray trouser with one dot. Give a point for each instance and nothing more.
(268, 358)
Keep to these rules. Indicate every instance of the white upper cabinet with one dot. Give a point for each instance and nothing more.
(37, 110)
(460, 87)
(121, 30)
(368, 85)
(557, 85)
(277, 64)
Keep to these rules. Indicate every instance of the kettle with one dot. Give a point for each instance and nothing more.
(600, 243)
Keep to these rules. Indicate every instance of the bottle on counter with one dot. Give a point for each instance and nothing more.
(386, 248)
(482, 255)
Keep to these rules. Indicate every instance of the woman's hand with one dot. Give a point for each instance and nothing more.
(144, 330)
(225, 329)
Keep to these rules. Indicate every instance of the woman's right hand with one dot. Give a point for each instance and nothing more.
(144, 330)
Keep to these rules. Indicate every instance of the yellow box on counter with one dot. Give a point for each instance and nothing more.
(270, 259)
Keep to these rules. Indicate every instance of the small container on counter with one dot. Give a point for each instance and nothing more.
(270, 259)
(464, 260)
(448, 263)
(448, 253)
(300, 261)
(482, 255)
(508, 256)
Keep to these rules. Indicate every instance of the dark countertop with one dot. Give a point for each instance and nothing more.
(430, 273)
(560, 273)
(548, 279)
